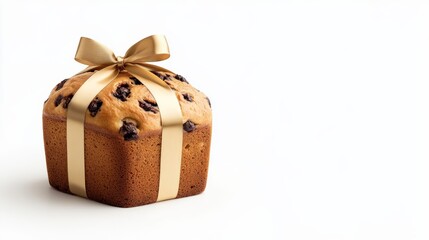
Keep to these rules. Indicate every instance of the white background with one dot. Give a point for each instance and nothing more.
(321, 117)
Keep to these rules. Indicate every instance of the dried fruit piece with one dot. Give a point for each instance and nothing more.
(163, 77)
(136, 81)
(189, 126)
(67, 100)
(208, 100)
(61, 84)
(129, 131)
(187, 97)
(122, 92)
(95, 106)
(149, 106)
(180, 78)
(58, 100)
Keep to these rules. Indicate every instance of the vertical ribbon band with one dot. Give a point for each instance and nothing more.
(99, 57)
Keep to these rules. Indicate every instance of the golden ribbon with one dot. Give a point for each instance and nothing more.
(98, 57)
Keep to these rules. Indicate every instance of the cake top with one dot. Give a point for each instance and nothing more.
(126, 107)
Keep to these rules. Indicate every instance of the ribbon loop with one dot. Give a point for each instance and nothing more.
(151, 49)
(92, 53)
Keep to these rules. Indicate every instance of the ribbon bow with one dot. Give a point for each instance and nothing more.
(98, 57)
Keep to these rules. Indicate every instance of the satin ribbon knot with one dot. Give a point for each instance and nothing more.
(120, 62)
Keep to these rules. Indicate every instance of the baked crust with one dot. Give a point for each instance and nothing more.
(113, 110)
(119, 170)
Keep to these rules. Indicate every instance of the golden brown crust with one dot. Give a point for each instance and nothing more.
(119, 171)
(113, 111)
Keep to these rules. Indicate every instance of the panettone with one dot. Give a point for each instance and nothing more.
(123, 139)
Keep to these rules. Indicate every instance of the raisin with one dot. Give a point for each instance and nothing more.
(67, 100)
(180, 78)
(169, 83)
(122, 92)
(208, 100)
(163, 77)
(58, 100)
(61, 84)
(187, 97)
(136, 81)
(189, 126)
(149, 106)
(95, 106)
(129, 131)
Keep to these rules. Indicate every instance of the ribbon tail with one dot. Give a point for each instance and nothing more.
(172, 132)
(75, 126)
